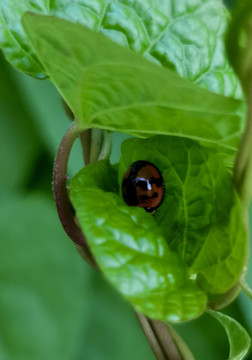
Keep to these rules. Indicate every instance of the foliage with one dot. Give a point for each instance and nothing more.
(170, 33)
(129, 97)
(195, 243)
(237, 336)
(131, 251)
(211, 241)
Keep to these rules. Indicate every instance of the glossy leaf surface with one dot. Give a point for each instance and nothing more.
(238, 338)
(183, 36)
(130, 249)
(112, 88)
(200, 215)
(13, 40)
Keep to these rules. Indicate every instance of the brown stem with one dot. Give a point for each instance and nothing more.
(63, 204)
(159, 339)
(85, 139)
(64, 207)
(85, 136)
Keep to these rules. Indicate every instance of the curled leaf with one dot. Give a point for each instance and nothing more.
(238, 338)
(201, 214)
(130, 249)
(195, 239)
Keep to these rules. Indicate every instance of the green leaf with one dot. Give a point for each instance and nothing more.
(205, 337)
(19, 139)
(112, 88)
(238, 42)
(43, 285)
(200, 215)
(130, 250)
(239, 339)
(186, 37)
(13, 40)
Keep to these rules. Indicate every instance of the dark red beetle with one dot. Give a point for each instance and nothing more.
(143, 186)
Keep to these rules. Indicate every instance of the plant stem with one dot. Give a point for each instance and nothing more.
(96, 144)
(59, 184)
(245, 287)
(243, 178)
(243, 163)
(106, 146)
(159, 338)
(85, 138)
(63, 204)
(181, 345)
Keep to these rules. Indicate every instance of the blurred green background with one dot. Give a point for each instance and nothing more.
(52, 304)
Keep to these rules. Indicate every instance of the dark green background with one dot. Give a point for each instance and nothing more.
(53, 305)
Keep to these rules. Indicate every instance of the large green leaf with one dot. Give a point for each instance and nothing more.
(130, 249)
(239, 339)
(239, 42)
(184, 36)
(19, 140)
(200, 215)
(13, 40)
(112, 88)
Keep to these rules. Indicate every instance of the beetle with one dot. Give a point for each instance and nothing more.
(143, 186)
